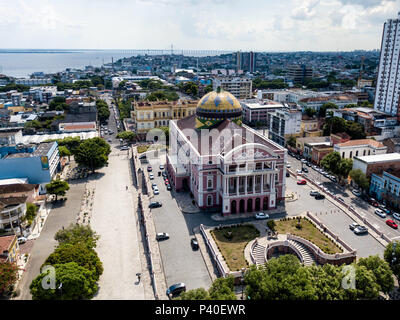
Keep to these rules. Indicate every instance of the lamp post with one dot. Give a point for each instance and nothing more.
(60, 287)
(242, 279)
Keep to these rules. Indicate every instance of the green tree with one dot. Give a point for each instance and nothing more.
(208, 88)
(31, 210)
(331, 162)
(93, 153)
(381, 270)
(355, 130)
(103, 111)
(344, 167)
(73, 282)
(327, 281)
(324, 107)
(77, 233)
(392, 257)
(57, 187)
(64, 152)
(291, 141)
(310, 112)
(360, 179)
(366, 283)
(223, 289)
(195, 294)
(127, 135)
(78, 252)
(334, 125)
(282, 278)
(8, 276)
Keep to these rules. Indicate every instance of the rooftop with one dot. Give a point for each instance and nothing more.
(360, 142)
(11, 201)
(16, 188)
(43, 149)
(386, 157)
(5, 242)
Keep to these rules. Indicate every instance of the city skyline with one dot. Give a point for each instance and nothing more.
(224, 25)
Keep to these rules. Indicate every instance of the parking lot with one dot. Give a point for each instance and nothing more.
(181, 263)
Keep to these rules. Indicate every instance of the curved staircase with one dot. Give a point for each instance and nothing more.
(308, 258)
(259, 254)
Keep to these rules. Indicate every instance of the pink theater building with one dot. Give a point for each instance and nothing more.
(226, 165)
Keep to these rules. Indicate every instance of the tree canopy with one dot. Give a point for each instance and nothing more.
(103, 111)
(324, 107)
(359, 178)
(77, 233)
(126, 135)
(57, 187)
(333, 163)
(93, 153)
(392, 257)
(8, 276)
(221, 289)
(381, 270)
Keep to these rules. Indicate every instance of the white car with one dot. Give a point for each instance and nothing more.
(151, 176)
(304, 161)
(313, 193)
(261, 215)
(161, 167)
(298, 171)
(288, 165)
(380, 213)
(356, 192)
(396, 215)
(22, 240)
(155, 190)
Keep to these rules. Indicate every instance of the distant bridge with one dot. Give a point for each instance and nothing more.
(175, 51)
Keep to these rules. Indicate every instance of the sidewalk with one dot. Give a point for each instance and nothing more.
(41, 220)
(220, 217)
(185, 202)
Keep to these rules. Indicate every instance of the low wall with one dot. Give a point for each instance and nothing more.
(283, 246)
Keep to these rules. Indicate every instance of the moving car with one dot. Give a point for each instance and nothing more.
(302, 181)
(22, 240)
(261, 215)
(380, 213)
(151, 176)
(156, 191)
(194, 243)
(124, 148)
(149, 169)
(319, 196)
(305, 170)
(176, 289)
(360, 230)
(391, 223)
(287, 174)
(154, 185)
(155, 204)
(288, 165)
(396, 215)
(313, 193)
(161, 167)
(298, 171)
(354, 225)
(162, 236)
(356, 192)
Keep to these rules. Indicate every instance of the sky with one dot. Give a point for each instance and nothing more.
(259, 25)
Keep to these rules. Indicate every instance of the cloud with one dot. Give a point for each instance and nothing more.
(365, 3)
(306, 10)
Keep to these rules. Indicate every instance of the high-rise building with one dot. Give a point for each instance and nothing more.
(241, 88)
(299, 73)
(238, 61)
(246, 61)
(388, 83)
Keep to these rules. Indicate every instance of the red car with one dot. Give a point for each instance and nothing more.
(166, 181)
(391, 223)
(373, 202)
(302, 181)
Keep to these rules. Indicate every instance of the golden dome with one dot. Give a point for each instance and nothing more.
(215, 107)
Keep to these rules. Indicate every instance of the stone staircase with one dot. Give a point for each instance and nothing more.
(308, 258)
(259, 254)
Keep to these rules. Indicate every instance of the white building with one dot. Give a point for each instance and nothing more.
(241, 88)
(284, 123)
(359, 148)
(32, 82)
(388, 83)
(288, 95)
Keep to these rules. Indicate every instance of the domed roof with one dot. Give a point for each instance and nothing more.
(215, 107)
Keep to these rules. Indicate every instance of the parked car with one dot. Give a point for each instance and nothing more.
(332, 178)
(288, 165)
(353, 225)
(340, 199)
(166, 181)
(319, 196)
(287, 174)
(302, 181)
(151, 176)
(380, 213)
(373, 202)
(314, 167)
(308, 164)
(194, 243)
(124, 148)
(164, 174)
(384, 209)
(305, 170)
(154, 185)
(176, 289)
(156, 191)
(155, 204)
(161, 167)
(356, 192)
(298, 171)
(22, 240)
(303, 161)
(149, 169)
(162, 236)
(169, 187)
(313, 193)
(261, 215)
(391, 223)
(360, 230)
(396, 215)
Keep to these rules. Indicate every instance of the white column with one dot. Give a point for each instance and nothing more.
(237, 186)
(245, 185)
(254, 184)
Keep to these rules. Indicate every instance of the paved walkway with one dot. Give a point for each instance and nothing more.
(114, 219)
(220, 217)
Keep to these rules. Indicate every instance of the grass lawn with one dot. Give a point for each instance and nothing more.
(233, 249)
(309, 232)
(142, 148)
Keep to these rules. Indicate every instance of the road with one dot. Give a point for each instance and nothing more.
(364, 208)
(181, 263)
